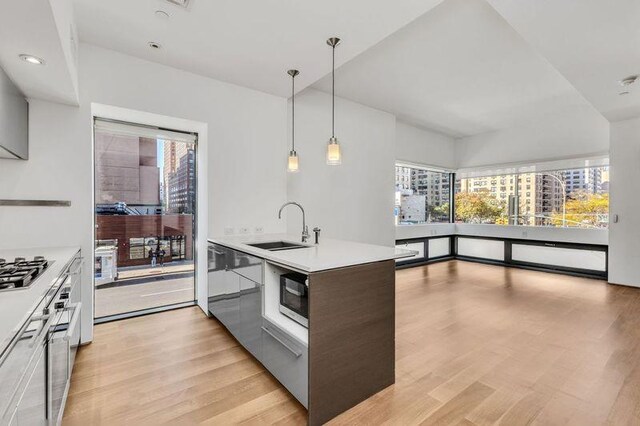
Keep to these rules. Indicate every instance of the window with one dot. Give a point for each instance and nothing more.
(576, 198)
(486, 206)
(422, 195)
(136, 248)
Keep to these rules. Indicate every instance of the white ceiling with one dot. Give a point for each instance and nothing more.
(42, 28)
(460, 69)
(251, 42)
(593, 43)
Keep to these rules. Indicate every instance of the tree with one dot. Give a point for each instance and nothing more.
(439, 213)
(584, 209)
(479, 207)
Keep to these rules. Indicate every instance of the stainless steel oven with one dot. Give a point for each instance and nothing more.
(23, 384)
(35, 368)
(64, 338)
(294, 297)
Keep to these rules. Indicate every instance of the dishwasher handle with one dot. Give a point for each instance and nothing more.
(294, 351)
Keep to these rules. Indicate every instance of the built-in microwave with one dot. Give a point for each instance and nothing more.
(294, 297)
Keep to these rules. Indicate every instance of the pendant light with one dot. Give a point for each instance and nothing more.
(334, 157)
(292, 164)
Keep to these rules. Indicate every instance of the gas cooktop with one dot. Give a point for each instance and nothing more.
(21, 273)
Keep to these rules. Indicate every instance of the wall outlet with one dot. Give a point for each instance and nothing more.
(258, 230)
(243, 231)
(229, 231)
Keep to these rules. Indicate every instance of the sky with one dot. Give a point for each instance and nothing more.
(160, 155)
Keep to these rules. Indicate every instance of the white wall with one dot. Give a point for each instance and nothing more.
(624, 236)
(353, 201)
(579, 132)
(247, 130)
(59, 168)
(246, 138)
(540, 233)
(425, 230)
(420, 146)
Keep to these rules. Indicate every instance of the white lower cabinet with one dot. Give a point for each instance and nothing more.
(592, 260)
(31, 407)
(287, 359)
(236, 299)
(480, 248)
(439, 247)
(250, 331)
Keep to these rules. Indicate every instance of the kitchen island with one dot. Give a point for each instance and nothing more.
(331, 341)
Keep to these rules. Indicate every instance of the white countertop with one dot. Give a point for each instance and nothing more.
(16, 306)
(329, 254)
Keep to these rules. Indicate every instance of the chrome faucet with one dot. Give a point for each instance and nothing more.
(305, 228)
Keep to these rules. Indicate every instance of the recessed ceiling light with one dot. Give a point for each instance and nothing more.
(162, 14)
(154, 45)
(628, 80)
(626, 92)
(32, 59)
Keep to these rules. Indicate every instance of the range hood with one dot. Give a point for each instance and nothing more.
(14, 114)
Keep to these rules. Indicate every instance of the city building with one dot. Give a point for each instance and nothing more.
(539, 194)
(403, 178)
(604, 177)
(587, 180)
(419, 193)
(126, 170)
(181, 190)
(432, 184)
(129, 197)
(173, 152)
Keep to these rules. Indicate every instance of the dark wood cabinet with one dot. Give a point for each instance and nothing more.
(350, 354)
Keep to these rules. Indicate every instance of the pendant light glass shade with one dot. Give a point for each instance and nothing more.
(292, 162)
(334, 156)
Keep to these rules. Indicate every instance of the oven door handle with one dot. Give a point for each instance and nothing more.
(296, 352)
(77, 310)
(47, 318)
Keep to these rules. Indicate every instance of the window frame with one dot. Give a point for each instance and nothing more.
(434, 169)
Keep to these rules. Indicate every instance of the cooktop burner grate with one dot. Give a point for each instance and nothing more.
(21, 272)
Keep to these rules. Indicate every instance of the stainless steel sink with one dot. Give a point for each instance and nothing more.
(277, 245)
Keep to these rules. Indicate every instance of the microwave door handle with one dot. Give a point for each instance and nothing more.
(295, 293)
(77, 309)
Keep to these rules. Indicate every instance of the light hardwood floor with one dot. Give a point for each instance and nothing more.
(475, 345)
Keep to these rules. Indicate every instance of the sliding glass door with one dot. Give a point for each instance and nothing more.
(145, 216)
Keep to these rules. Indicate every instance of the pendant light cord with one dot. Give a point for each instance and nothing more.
(293, 113)
(333, 93)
